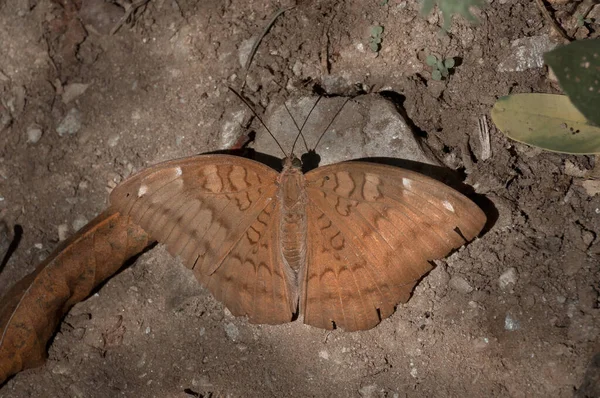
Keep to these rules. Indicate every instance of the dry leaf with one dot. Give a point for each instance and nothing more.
(33, 308)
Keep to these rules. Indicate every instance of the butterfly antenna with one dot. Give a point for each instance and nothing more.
(304, 124)
(258, 117)
(330, 123)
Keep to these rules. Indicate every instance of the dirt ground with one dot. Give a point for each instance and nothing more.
(513, 314)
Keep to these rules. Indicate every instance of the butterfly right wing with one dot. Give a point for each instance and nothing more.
(219, 214)
(372, 232)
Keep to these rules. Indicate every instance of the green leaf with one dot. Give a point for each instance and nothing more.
(547, 121)
(439, 64)
(376, 31)
(449, 63)
(436, 75)
(376, 40)
(375, 47)
(444, 72)
(453, 7)
(577, 67)
(431, 60)
(384, 3)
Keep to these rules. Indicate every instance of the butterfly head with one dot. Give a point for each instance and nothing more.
(292, 162)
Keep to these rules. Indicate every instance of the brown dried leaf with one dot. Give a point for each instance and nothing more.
(33, 308)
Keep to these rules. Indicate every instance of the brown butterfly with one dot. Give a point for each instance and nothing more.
(340, 246)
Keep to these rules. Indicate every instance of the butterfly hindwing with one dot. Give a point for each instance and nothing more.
(220, 215)
(373, 230)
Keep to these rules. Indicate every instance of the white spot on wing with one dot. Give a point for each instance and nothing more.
(142, 191)
(178, 171)
(448, 205)
(406, 182)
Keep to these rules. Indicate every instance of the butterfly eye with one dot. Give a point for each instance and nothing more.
(296, 163)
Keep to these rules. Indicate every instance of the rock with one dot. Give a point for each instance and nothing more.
(508, 278)
(63, 232)
(573, 170)
(5, 117)
(100, 16)
(460, 284)
(232, 331)
(323, 355)
(113, 140)
(592, 187)
(438, 279)
(368, 391)
(79, 223)
(526, 53)
(244, 50)
(366, 126)
(72, 91)
(34, 134)
(70, 124)
(511, 324)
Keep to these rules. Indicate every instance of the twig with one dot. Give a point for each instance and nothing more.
(549, 17)
(484, 138)
(129, 10)
(257, 42)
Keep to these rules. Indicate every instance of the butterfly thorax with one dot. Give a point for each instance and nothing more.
(293, 226)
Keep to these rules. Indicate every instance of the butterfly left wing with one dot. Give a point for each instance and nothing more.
(218, 214)
(372, 232)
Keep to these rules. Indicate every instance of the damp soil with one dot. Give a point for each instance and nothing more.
(513, 314)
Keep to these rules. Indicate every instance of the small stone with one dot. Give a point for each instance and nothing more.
(324, 355)
(526, 53)
(100, 16)
(232, 331)
(63, 232)
(508, 278)
(113, 140)
(148, 330)
(573, 170)
(72, 91)
(79, 223)
(368, 391)
(38, 246)
(592, 187)
(511, 324)
(481, 343)
(70, 124)
(460, 284)
(245, 49)
(34, 133)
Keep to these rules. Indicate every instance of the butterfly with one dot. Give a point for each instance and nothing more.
(339, 246)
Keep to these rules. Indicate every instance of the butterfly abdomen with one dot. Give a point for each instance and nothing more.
(293, 224)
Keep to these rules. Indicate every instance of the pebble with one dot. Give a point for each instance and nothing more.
(460, 284)
(63, 232)
(592, 187)
(34, 134)
(481, 343)
(368, 391)
(324, 355)
(79, 223)
(511, 324)
(113, 140)
(508, 278)
(232, 331)
(72, 91)
(70, 124)
(526, 53)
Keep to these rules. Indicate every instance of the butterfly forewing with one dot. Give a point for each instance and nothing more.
(220, 215)
(373, 230)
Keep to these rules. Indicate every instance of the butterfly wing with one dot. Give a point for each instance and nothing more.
(219, 215)
(372, 232)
